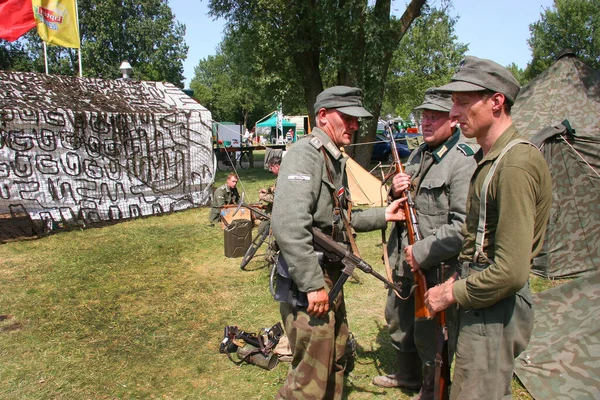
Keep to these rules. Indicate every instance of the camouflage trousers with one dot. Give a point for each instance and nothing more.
(415, 336)
(489, 340)
(318, 346)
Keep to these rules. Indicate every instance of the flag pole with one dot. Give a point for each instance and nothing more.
(78, 34)
(45, 56)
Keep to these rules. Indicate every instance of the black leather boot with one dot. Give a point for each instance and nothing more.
(426, 392)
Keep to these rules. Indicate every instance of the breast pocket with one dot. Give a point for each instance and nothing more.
(433, 197)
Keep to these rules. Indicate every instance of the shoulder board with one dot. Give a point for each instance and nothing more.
(315, 142)
(466, 149)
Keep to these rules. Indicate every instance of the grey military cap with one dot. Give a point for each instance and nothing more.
(477, 74)
(436, 101)
(345, 99)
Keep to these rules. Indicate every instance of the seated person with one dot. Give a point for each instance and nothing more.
(267, 195)
(225, 194)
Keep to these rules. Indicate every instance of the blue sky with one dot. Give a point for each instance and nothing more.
(497, 30)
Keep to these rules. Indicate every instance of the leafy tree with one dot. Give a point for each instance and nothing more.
(143, 32)
(427, 57)
(518, 73)
(13, 56)
(234, 85)
(573, 24)
(349, 42)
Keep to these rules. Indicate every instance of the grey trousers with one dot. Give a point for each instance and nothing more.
(489, 340)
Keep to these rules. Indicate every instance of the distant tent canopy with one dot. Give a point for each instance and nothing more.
(568, 90)
(272, 124)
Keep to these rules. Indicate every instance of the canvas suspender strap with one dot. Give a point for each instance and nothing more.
(339, 211)
(482, 201)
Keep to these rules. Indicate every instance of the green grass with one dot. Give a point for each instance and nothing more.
(137, 310)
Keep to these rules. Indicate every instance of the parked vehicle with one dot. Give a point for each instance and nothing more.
(382, 150)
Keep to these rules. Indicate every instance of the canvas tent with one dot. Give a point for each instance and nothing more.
(568, 90)
(81, 151)
(561, 361)
(560, 112)
(365, 189)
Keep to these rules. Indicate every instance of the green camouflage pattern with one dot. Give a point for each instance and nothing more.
(567, 90)
(561, 360)
(314, 372)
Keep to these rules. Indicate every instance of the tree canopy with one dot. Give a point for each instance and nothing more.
(426, 57)
(572, 24)
(346, 43)
(143, 32)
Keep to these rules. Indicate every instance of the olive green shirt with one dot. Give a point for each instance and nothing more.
(518, 206)
(223, 195)
(303, 199)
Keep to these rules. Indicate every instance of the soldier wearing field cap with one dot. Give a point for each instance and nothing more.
(312, 191)
(507, 210)
(438, 173)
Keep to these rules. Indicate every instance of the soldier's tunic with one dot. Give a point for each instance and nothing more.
(495, 311)
(223, 195)
(304, 199)
(440, 178)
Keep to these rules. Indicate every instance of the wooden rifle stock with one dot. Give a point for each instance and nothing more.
(412, 230)
(442, 356)
(442, 362)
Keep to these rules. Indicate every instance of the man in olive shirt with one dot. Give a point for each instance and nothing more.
(503, 233)
(224, 194)
(438, 172)
(312, 192)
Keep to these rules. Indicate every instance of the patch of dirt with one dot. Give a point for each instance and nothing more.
(7, 326)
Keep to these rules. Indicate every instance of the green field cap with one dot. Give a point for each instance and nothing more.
(476, 74)
(345, 99)
(436, 101)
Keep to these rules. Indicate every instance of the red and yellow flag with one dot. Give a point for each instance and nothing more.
(16, 18)
(57, 22)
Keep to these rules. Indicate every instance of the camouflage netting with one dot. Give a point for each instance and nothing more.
(568, 90)
(76, 152)
(562, 359)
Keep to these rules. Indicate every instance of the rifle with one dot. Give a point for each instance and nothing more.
(333, 250)
(412, 228)
(442, 359)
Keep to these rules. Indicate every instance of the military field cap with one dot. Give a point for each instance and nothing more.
(477, 74)
(345, 99)
(436, 101)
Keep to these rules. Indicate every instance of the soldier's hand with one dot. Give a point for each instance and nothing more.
(400, 183)
(414, 265)
(440, 297)
(395, 211)
(318, 302)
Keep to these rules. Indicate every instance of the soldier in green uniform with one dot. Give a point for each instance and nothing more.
(507, 210)
(438, 173)
(225, 194)
(312, 192)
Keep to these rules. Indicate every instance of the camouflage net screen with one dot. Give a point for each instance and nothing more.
(91, 164)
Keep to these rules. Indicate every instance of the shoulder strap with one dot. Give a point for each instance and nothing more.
(482, 200)
(339, 212)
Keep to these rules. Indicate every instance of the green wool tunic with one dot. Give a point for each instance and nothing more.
(518, 205)
(304, 199)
